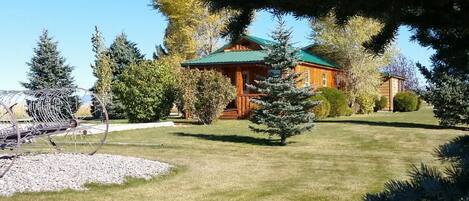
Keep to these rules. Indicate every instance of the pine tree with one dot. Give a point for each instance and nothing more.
(284, 108)
(123, 53)
(47, 68)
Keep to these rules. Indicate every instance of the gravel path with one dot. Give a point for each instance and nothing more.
(54, 172)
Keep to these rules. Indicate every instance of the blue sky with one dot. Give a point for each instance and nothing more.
(72, 22)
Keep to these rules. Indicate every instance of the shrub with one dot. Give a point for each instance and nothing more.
(323, 109)
(380, 103)
(213, 93)
(405, 102)
(186, 83)
(366, 103)
(448, 95)
(146, 91)
(337, 99)
(419, 103)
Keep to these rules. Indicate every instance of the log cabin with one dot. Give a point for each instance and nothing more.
(243, 62)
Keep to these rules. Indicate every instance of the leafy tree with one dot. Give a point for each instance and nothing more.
(192, 30)
(404, 67)
(145, 89)
(102, 67)
(430, 183)
(361, 76)
(47, 70)
(102, 70)
(283, 108)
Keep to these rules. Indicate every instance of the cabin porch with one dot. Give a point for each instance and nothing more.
(240, 76)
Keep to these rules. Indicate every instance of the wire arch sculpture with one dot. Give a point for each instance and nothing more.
(69, 120)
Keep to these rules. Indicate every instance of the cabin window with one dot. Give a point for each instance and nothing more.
(245, 82)
(324, 79)
(307, 78)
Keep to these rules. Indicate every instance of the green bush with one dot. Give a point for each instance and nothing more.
(323, 109)
(380, 103)
(419, 104)
(405, 102)
(146, 91)
(366, 103)
(337, 99)
(186, 83)
(213, 93)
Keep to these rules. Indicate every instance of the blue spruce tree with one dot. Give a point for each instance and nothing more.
(284, 109)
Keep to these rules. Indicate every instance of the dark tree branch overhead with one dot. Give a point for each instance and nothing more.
(440, 24)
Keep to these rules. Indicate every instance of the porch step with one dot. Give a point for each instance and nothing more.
(229, 114)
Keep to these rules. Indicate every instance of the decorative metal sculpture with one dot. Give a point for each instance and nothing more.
(52, 120)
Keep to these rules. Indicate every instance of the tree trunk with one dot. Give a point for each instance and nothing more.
(283, 140)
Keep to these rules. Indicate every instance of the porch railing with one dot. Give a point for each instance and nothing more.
(244, 104)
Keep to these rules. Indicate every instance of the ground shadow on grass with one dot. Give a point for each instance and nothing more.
(391, 124)
(233, 138)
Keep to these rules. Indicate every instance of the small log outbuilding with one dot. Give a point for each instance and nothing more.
(392, 84)
(243, 62)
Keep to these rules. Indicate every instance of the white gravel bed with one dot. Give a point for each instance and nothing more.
(55, 172)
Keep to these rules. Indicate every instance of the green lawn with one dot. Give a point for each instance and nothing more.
(341, 159)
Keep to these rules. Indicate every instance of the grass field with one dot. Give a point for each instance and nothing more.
(341, 159)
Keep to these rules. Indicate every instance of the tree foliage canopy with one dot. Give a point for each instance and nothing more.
(439, 24)
(192, 30)
(47, 68)
(404, 67)
(123, 53)
(360, 75)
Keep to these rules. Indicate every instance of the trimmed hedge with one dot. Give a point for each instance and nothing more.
(338, 101)
(323, 109)
(405, 102)
(380, 103)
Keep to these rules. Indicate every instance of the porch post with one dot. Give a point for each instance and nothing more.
(239, 81)
(239, 90)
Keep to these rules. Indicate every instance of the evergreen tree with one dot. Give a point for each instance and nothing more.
(159, 53)
(47, 68)
(123, 53)
(283, 108)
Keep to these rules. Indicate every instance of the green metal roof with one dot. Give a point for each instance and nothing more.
(256, 56)
(253, 56)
